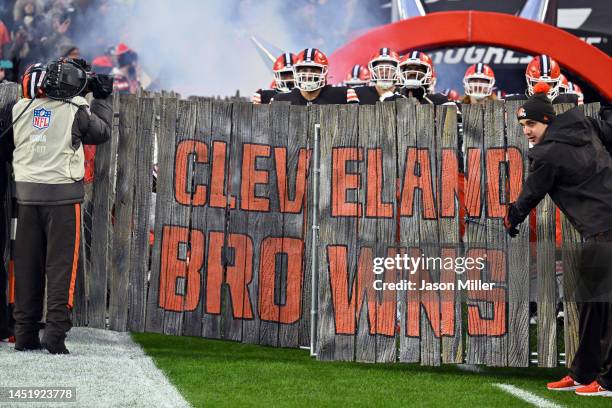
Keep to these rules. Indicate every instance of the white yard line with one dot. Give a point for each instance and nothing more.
(527, 396)
(107, 368)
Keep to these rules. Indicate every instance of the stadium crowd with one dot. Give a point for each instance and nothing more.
(33, 31)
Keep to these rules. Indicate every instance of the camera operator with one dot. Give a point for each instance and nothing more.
(52, 122)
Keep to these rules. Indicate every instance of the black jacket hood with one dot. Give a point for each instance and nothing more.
(572, 128)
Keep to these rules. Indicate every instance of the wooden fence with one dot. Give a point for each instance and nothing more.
(231, 256)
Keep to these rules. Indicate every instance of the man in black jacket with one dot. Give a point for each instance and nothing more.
(570, 162)
(48, 166)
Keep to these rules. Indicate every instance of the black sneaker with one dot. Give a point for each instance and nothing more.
(56, 347)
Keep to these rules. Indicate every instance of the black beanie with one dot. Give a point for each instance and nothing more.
(538, 107)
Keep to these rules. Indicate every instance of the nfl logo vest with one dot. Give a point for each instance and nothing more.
(41, 119)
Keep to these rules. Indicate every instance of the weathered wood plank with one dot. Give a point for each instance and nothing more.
(293, 161)
(409, 301)
(178, 270)
(367, 316)
(308, 234)
(199, 189)
(384, 161)
(268, 222)
(476, 228)
(124, 201)
(518, 249)
(547, 291)
(571, 265)
(337, 246)
(448, 211)
(429, 241)
(238, 269)
(497, 241)
(155, 314)
(139, 262)
(101, 242)
(216, 228)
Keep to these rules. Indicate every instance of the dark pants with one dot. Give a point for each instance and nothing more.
(4, 307)
(593, 359)
(46, 251)
(5, 329)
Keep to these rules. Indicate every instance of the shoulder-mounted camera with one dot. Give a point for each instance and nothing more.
(67, 78)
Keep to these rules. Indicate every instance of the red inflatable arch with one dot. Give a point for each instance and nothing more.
(463, 28)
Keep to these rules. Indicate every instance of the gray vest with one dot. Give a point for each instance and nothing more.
(44, 161)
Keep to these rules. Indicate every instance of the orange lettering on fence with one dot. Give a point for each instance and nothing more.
(296, 204)
(269, 309)
(479, 324)
(449, 184)
(345, 310)
(417, 176)
(375, 206)
(239, 273)
(182, 194)
(472, 183)
(343, 181)
(180, 263)
(217, 183)
(496, 158)
(251, 176)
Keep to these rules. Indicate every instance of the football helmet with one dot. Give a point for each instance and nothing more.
(32, 81)
(416, 70)
(310, 70)
(563, 84)
(434, 80)
(384, 68)
(478, 81)
(542, 68)
(359, 76)
(283, 72)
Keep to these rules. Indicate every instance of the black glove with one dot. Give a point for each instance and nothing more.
(82, 63)
(102, 86)
(512, 220)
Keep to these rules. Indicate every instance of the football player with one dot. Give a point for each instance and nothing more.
(310, 76)
(358, 76)
(283, 79)
(383, 68)
(542, 68)
(478, 83)
(417, 77)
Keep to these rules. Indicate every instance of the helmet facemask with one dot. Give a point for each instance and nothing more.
(415, 75)
(384, 73)
(478, 86)
(553, 82)
(284, 80)
(309, 76)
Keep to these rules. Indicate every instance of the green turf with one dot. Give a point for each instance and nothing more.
(212, 373)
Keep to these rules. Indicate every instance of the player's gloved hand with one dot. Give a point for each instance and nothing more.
(102, 86)
(512, 220)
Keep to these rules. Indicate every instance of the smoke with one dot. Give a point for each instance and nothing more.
(204, 48)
